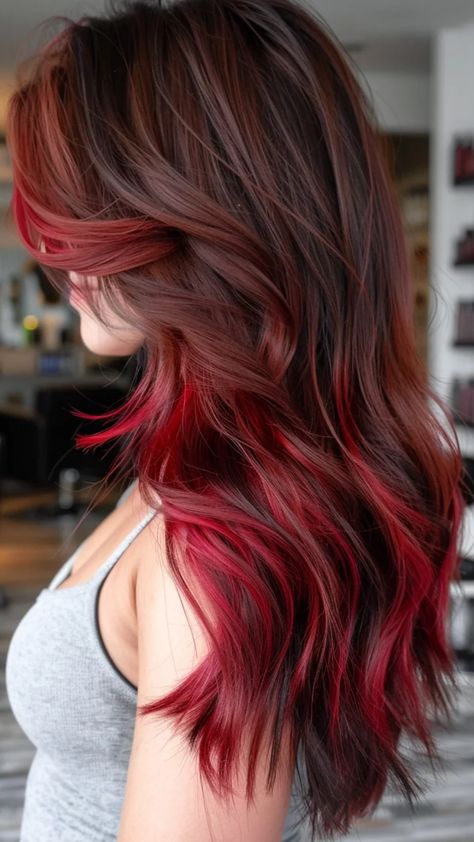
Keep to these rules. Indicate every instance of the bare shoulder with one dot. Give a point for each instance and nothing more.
(171, 640)
(165, 796)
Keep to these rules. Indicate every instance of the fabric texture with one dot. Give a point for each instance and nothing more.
(78, 710)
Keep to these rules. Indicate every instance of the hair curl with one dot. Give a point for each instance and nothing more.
(216, 165)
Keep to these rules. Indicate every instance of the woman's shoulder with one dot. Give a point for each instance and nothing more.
(172, 642)
(132, 487)
(163, 611)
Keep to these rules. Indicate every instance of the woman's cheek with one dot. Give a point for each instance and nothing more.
(123, 341)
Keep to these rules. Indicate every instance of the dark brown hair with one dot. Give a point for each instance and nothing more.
(216, 165)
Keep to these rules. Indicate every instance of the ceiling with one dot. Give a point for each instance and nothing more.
(361, 19)
(394, 34)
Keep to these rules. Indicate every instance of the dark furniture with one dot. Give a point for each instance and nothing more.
(37, 444)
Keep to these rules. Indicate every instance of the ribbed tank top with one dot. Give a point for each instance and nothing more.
(78, 710)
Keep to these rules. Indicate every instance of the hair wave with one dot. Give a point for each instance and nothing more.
(216, 165)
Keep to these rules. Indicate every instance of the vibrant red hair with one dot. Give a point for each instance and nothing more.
(216, 165)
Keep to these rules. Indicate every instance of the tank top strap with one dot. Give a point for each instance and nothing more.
(112, 559)
(65, 568)
(101, 573)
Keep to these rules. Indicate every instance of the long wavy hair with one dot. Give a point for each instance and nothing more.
(216, 166)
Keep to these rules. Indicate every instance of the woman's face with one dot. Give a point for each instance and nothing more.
(118, 340)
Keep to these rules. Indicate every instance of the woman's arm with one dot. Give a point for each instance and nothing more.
(164, 800)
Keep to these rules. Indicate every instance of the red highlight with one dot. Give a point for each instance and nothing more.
(238, 199)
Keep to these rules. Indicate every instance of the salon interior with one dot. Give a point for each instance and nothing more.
(416, 60)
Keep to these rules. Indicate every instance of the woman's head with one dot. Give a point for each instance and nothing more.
(212, 173)
(175, 153)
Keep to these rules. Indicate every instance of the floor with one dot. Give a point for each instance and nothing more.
(446, 814)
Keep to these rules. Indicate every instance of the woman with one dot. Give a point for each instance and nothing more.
(207, 179)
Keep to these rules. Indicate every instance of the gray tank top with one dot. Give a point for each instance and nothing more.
(78, 710)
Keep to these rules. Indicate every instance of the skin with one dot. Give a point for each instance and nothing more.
(117, 341)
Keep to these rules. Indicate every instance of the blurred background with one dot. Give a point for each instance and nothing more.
(415, 58)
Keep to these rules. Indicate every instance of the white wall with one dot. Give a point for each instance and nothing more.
(402, 100)
(452, 209)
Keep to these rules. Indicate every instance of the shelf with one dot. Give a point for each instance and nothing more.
(458, 422)
(458, 343)
(463, 263)
(464, 587)
(461, 182)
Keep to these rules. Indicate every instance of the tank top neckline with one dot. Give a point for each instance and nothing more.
(87, 594)
(62, 574)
